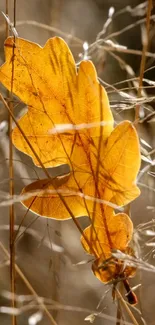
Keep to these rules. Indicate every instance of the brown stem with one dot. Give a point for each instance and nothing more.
(143, 58)
(123, 302)
(29, 286)
(131, 296)
(11, 182)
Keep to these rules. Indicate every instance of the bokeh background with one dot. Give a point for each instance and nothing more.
(49, 252)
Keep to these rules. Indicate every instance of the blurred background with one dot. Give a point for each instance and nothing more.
(49, 253)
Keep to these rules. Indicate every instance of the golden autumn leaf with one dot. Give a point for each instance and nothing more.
(42, 198)
(69, 121)
(107, 268)
(119, 165)
(46, 79)
(109, 231)
(58, 95)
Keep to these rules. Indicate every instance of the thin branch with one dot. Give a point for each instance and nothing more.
(11, 174)
(145, 40)
(29, 286)
(23, 134)
(125, 29)
(123, 302)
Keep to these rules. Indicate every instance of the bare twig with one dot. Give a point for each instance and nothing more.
(145, 41)
(11, 175)
(45, 171)
(29, 286)
(123, 302)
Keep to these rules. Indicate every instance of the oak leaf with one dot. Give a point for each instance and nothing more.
(107, 268)
(69, 121)
(119, 165)
(46, 79)
(109, 232)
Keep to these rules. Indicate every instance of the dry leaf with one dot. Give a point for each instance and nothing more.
(109, 231)
(119, 166)
(107, 268)
(69, 121)
(47, 81)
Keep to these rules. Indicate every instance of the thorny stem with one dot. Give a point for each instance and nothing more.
(29, 286)
(143, 58)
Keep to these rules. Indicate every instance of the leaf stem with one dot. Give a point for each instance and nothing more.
(123, 302)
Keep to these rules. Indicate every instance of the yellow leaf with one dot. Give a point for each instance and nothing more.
(120, 164)
(43, 199)
(106, 268)
(40, 75)
(69, 121)
(109, 231)
(117, 175)
(47, 81)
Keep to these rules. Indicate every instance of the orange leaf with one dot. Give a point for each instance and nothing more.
(116, 183)
(57, 95)
(42, 198)
(69, 121)
(119, 167)
(47, 81)
(109, 231)
(107, 268)
(122, 154)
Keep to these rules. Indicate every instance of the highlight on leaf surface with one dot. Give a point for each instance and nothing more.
(47, 81)
(42, 198)
(119, 166)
